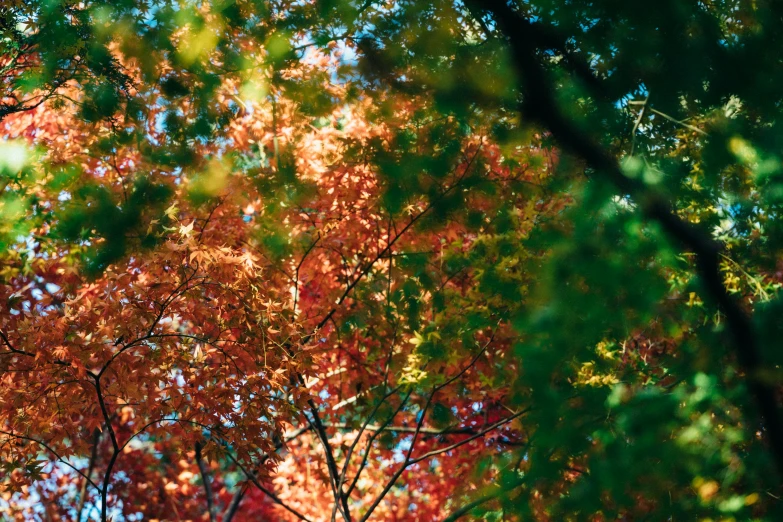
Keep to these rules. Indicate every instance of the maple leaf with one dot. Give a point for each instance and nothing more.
(186, 230)
(172, 211)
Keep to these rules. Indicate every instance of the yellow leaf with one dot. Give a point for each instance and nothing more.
(172, 211)
(185, 231)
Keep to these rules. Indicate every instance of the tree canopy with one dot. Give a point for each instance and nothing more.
(365, 260)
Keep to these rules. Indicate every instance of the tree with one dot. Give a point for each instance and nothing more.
(378, 261)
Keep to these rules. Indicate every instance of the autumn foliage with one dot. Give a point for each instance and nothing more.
(257, 272)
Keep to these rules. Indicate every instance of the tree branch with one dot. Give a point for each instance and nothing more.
(368, 448)
(331, 465)
(11, 347)
(481, 433)
(405, 463)
(467, 508)
(205, 480)
(96, 437)
(233, 508)
(115, 450)
(433, 432)
(56, 455)
(252, 478)
(366, 423)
